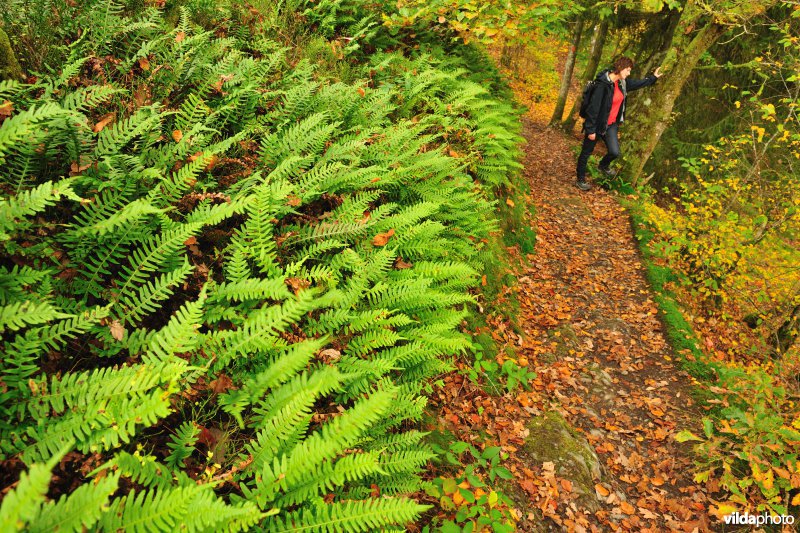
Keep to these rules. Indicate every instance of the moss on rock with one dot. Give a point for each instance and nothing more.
(552, 439)
(566, 340)
(9, 66)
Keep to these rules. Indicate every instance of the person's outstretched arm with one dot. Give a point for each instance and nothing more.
(650, 79)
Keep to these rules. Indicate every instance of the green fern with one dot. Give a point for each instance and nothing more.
(183, 444)
(30, 202)
(25, 313)
(367, 515)
(78, 511)
(23, 504)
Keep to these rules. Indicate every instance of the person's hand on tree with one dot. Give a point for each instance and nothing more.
(592, 136)
(658, 73)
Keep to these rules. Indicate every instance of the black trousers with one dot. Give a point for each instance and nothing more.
(611, 138)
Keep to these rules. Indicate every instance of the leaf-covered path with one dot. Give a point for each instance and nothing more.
(593, 334)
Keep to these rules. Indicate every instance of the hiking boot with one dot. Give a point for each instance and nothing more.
(606, 171)
(583, 185)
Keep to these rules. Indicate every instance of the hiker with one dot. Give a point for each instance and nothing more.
(604, 113)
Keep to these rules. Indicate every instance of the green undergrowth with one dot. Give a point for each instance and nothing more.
(679, 332)
(747, 446)
(237, 242)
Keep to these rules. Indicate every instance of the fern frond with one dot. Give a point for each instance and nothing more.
(182, 444)
(79, 510)
(21, 505)
(180, 334)
(133, 306)
(145, 470)
(30, 202)
(26, 313)
(365, 515)
(286, 415)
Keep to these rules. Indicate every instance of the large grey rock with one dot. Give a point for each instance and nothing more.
(552, 439)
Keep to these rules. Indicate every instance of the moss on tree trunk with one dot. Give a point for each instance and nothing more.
(653, 119)
(9, 66)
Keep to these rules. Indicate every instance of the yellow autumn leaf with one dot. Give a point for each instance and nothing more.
(723, 509)
(769, 480)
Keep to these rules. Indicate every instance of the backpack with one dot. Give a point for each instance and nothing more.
(586, 98)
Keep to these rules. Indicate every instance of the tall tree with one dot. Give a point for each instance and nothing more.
(701, 24)
(569, 67)
(595, 55)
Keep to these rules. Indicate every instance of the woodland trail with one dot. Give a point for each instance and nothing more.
(593, 336)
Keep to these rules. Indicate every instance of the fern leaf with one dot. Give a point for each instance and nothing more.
(182, 445)
(78, 511)
(21, 314)
(28, 203)
(21, 505)
(356, 516)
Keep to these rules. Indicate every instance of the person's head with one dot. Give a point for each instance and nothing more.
(622, 67)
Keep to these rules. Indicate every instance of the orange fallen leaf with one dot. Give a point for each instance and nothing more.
(144, 63)
(104, 121)
(293, 200)
(362, 92)
(222, 384)
(657, 481)
(601, 490)
(75, 169)
(566, 485)
(177, 135)
(6, 109)
(627, 508)
(510, 202)
(647, 513)
(382, 238)
(190, 241)
(400, 264)
(180, 36)
(442, 20)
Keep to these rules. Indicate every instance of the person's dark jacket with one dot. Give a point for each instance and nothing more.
(602, 97)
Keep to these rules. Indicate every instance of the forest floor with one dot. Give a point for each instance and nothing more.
(592, 445)
(614, 376)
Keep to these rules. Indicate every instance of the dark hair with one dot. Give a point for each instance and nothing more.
(622, 63)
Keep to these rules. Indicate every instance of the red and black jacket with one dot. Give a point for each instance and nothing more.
(601, 99)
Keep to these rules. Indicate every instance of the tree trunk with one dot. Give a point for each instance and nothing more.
(666, 34)
(787, 334)
(566, 81)
(598, 41)
(653, 117)
(9, 66)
